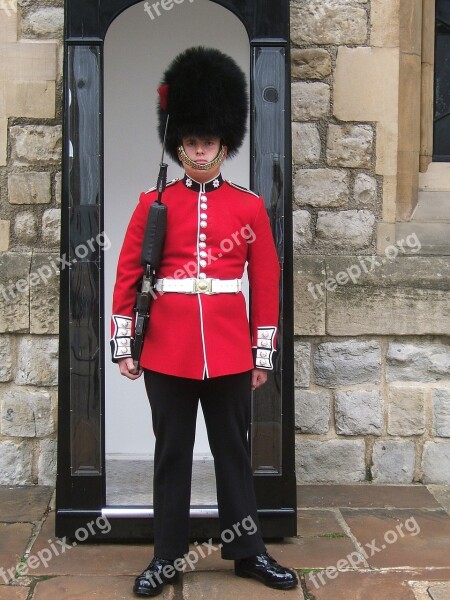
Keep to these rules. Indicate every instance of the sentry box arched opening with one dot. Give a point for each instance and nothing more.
(82, 482)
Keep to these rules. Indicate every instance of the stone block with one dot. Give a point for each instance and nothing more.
(424, 362)
(365, 190)
(393, 461)
(312, 411)
(327, 22)
(47, 462)
(384, 18)
(8, 22)
(321, 187)
(36, 144)
(301, 224)
(386, 165)
(14, 307)
(358, 96)
(28, 62)
(385, 236)
(4, 235)
(309, 297)
(441, 412)
(330, 461)
(306, 144)
(44, 294)
(51, 226)
(3, 141)
(58, 188)
(26, 227)
(15, 463)
(358, 412)
(27, 414)
(410, 22)
(6, 359)
(406, 411)
(347, 363)
(37, 361)
(409, 115)
(302, 364)
(35, 99)
(349, 146)
(436, 463)
(29, 188)
(428, 31)
(414, 288)
(346, 229)
(310, 63)
(310, 101)
(45, 22)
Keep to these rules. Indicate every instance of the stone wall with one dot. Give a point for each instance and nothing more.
(30, 163)
(372, 315)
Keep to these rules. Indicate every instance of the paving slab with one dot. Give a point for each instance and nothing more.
(23, 503)
(91, 588)
(311, 553)
(223, 586)
(362, 586)
(442, 495)
(425, 541)
(14, 539)
(440, 591)
(365, 496)
(88, 559)
(317, 522)
(432, 206)
(13, 592)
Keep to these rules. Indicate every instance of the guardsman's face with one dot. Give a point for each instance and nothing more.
(202, 150)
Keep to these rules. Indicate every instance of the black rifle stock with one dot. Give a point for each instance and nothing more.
(152, 248)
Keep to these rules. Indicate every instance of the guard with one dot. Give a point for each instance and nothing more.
(198, 344)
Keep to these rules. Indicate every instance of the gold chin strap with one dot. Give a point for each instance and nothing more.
(213, 163)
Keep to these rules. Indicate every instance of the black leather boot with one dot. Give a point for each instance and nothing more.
(266, 569)
(151, 581)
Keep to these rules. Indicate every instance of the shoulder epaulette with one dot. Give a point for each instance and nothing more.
(242, 189)
(154, 188)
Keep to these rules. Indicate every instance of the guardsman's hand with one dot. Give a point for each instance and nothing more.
(127, 368)
(259, 378)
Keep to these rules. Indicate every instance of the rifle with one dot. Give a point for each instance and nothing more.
(152, 247)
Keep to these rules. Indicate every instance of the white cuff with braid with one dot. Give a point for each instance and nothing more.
(265, 347)
(121, 339)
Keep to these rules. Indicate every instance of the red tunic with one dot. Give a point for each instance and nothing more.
(213, 230)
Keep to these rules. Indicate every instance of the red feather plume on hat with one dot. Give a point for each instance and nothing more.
(163, 92)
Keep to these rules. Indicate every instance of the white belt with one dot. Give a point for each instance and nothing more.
(199, 286)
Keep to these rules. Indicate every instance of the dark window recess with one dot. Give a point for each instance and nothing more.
(441, 129)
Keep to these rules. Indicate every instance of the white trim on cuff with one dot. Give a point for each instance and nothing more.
(121, 339)
(265, 347)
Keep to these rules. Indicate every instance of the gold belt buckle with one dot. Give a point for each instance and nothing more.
(203, 286)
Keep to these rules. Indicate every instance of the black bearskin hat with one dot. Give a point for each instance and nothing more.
(204, 92)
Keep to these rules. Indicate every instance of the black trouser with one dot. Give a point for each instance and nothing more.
(226, 407)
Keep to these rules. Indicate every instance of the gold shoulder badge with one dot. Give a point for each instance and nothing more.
(242, 189)
(169, 183)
